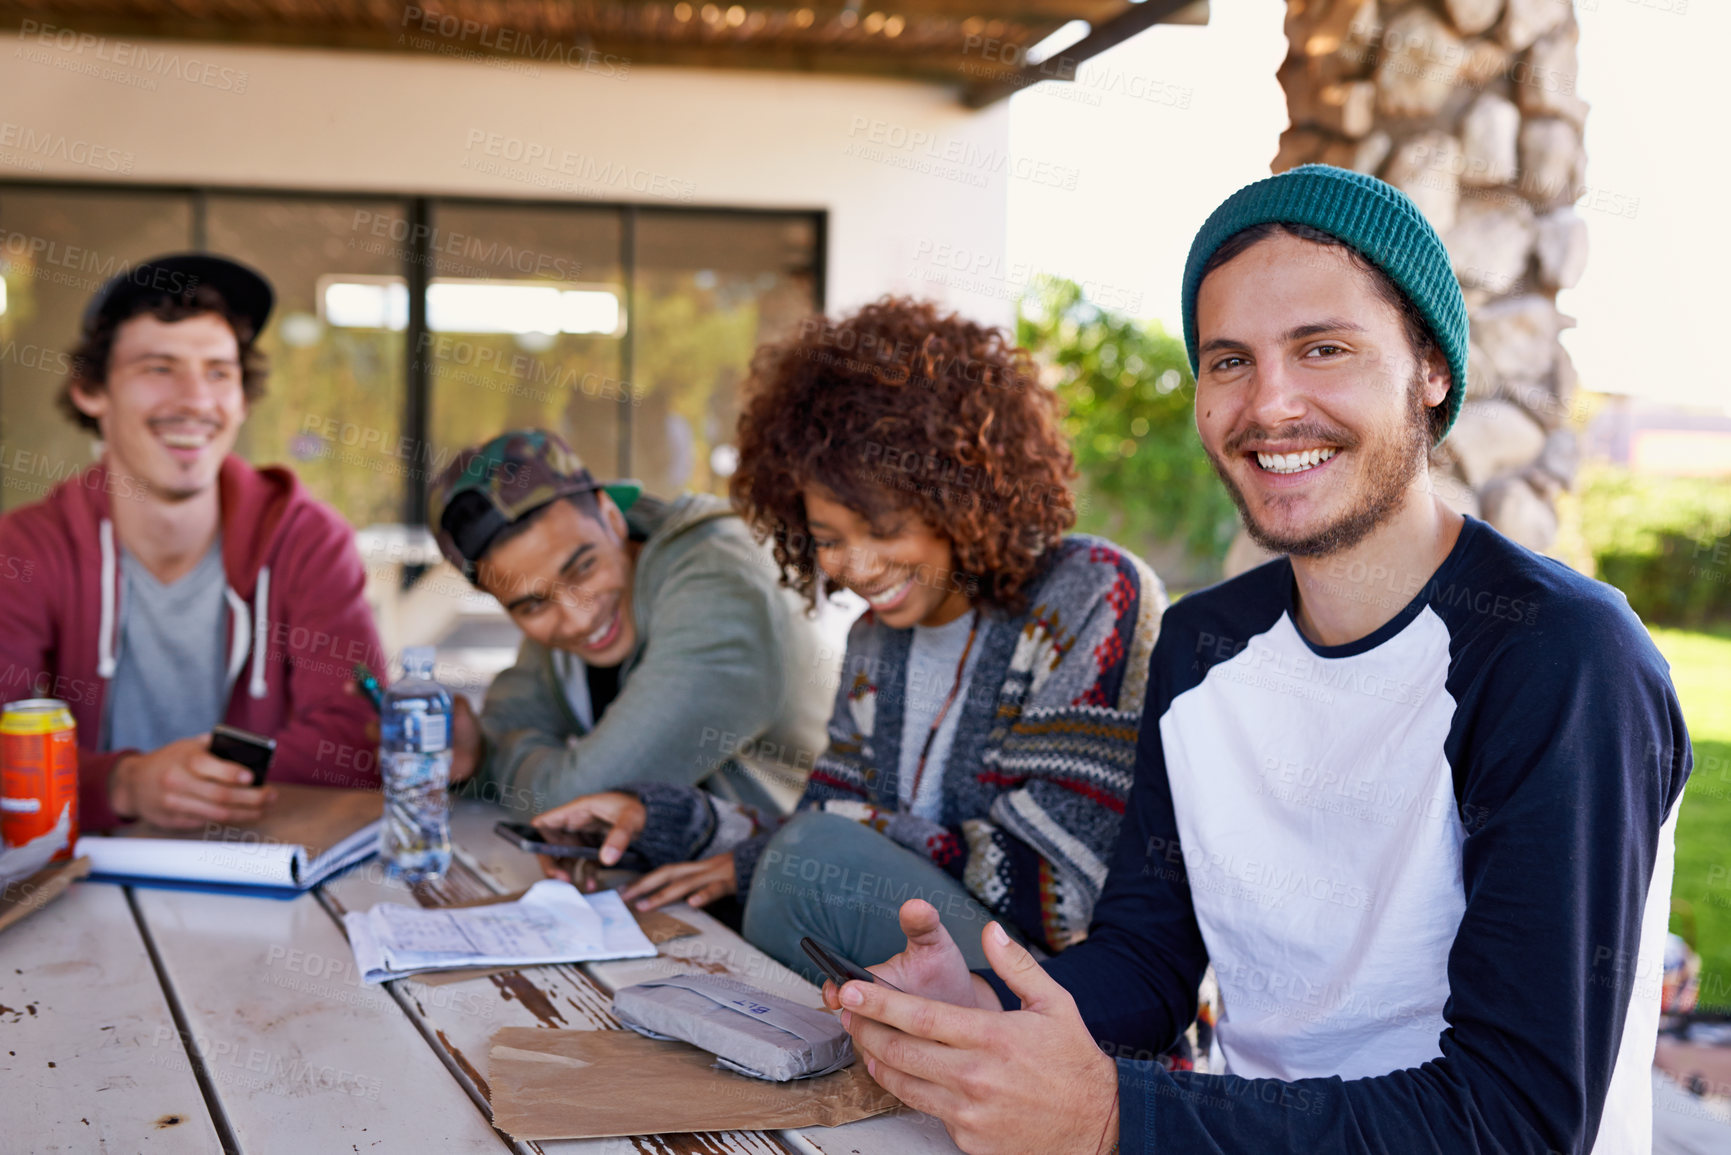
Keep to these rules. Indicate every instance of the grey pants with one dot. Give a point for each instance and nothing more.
(843, 883)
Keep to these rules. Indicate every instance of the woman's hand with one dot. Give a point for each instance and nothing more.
(697, 882)
(622, 813)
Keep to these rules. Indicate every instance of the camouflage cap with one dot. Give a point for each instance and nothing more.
(491, 486)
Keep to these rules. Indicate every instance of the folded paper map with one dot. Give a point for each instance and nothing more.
(552, 923)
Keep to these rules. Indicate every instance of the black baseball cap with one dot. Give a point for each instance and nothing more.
(243, 288)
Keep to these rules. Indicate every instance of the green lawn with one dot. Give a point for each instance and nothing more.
(1701, 669)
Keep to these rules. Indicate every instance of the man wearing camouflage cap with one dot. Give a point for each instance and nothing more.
(1410, 789)
(658, 643)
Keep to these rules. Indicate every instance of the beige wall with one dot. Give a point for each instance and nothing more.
(924, 202)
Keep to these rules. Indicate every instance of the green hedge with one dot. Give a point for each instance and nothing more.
(1663, 541)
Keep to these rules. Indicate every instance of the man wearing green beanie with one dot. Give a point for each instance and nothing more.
(1409, 789)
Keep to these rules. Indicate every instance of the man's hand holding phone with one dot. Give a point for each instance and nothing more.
(932, 966)
(838, 970)
(183, 785)
(622, 814)
(244, 748)
(1027, 1082)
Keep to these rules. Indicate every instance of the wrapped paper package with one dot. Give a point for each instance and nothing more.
(748, 1030)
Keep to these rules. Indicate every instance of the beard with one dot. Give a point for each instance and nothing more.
(171, 493)
(1388, 472)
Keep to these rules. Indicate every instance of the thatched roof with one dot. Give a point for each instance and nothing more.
(973, 44)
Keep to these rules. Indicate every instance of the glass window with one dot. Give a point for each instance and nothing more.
(526, 320)
(333, 408)
(709, 288)
(529, 316)
(57, 248)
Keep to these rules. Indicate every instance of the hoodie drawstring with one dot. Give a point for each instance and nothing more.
(260, 600)
(106, 626)
(240, 637)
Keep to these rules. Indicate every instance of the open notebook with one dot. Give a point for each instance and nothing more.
(309, 834)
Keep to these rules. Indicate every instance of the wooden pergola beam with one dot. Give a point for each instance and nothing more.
(1062, 67)
(936, 41)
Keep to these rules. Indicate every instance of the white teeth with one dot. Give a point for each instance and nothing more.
(889, 595)
(182, 438)
(1293, 462)
(594, 639)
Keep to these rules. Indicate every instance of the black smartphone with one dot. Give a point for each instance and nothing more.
(232, 744)
(585, 843)
(837, 969)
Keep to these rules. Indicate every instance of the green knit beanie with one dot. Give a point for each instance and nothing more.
(1377, 220)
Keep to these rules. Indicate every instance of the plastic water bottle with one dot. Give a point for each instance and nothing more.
(415, 759)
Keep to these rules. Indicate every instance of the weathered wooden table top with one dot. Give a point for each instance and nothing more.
(163, 1020)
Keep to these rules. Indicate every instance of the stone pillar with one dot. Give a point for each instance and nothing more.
(1469, 107)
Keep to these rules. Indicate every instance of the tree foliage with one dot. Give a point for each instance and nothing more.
(1128, 393)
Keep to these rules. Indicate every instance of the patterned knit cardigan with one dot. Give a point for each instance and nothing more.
(1040, 768)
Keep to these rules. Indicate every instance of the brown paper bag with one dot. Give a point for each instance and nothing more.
(19, 898)
(658, 926)
(592, 1084)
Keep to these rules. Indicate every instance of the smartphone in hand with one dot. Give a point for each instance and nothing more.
(837, 969)
(243, 747)
(585, 843)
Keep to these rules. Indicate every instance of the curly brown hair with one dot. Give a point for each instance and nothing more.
(901, 407)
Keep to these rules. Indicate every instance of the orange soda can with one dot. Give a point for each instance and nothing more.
(38, 773)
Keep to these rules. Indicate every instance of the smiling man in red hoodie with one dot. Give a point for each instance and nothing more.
(174, 586)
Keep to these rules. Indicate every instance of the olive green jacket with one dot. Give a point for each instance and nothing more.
(726, 685)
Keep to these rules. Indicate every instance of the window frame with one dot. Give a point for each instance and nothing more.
(422, 210)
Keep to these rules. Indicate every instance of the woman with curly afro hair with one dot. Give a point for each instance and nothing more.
(984, 726)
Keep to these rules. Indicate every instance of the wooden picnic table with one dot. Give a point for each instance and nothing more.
(136, 1019)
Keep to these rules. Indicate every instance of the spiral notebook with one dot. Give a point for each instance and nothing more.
(308, 835)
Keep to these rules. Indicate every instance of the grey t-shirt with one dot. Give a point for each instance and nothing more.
(169, 679)
(932, 659)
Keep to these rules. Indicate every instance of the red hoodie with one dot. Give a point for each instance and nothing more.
(297, 623)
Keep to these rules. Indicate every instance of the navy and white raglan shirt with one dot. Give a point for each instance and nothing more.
(1431, 869)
